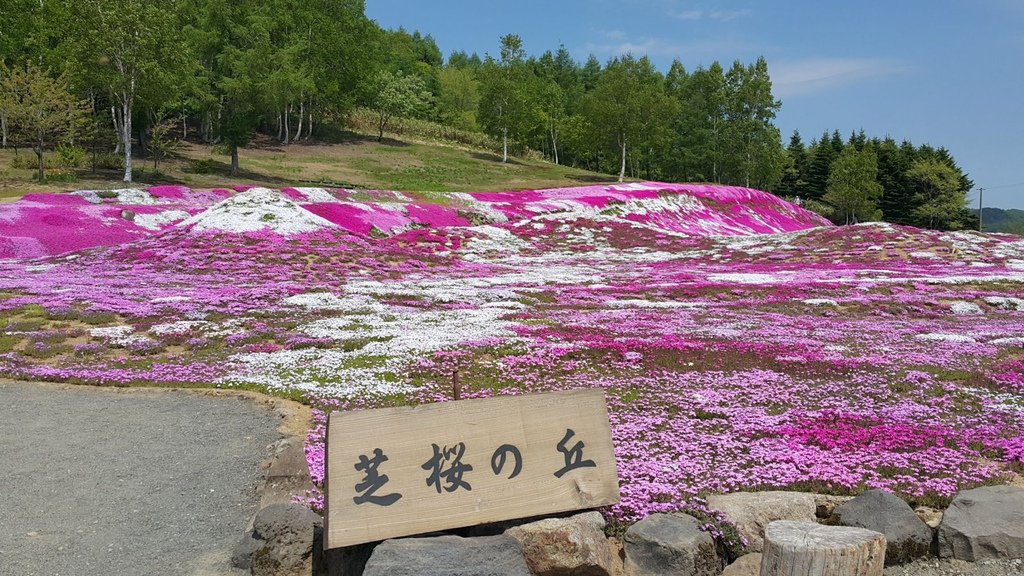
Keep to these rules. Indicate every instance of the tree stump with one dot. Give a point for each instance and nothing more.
(809, 549)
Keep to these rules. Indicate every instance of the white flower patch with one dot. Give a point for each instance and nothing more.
(328, 301)
(493, 239)
(308, 369)
(640, 303)
(254, 210)
(163, 299)
(317, 194)
(393, 339)
(1012, 341)
(484, 208)
(132, 196)
(160, 219)
(39, 267)
(1005, 303)
(925, 255)
(118, 335)
(745, 278)
(820, 302)
(961, 308)
(207, 328)
(939, 337)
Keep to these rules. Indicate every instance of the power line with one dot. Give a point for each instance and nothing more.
(1002, 186)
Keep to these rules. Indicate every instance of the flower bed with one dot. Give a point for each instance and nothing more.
(743, 343)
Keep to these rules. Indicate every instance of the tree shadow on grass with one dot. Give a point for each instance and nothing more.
(490, 157)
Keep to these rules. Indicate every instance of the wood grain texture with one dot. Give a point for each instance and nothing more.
(810, 549)
(535, 424)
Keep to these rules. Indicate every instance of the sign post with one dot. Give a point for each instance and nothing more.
(410, 470)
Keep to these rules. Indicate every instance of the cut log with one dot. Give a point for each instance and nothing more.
(809, 549)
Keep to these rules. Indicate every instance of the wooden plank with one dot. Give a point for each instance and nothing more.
(427, 448)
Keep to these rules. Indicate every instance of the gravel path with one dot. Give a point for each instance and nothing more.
(125, 481)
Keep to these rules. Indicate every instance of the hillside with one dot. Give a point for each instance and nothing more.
(1000, 220)
(348, 159)
(742, 342)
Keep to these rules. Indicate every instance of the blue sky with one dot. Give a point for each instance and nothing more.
(943, 72)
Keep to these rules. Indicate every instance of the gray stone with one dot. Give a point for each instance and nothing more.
(826, 504)
(574, 546)
(746, 565)
(244, 551)
(751, 512)
(906, 536)
(670, 544)
(448, 556)
(984, 523)
(286, 531)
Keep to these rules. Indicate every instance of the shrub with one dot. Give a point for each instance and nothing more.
(69, 157)
(109, 161)
(24, 162)
(61, 175)
(201, 166)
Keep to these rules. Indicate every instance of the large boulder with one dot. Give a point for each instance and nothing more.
(984, 523)
(448, 556)
(283, 535)
(751, 512)
(574, 546)
(746, 565)
(670, 544)
(906, 536)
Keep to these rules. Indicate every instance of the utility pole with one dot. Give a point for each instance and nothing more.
(981, 194)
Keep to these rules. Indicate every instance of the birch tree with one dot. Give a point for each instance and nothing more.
(135, 48)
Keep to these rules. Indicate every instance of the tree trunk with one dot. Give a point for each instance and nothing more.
(118, 149)
(234, 160)
(38, 149)
(309, 130)
(554, 141)
(280, 126)
(126, 123)
(810, 549)
(622, 168)
(504, 145)
(302, 112)
(3, 128)
(287, 129)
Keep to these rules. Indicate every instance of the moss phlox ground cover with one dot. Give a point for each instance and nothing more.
(743, 342)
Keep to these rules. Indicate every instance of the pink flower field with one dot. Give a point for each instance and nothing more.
(743, 342)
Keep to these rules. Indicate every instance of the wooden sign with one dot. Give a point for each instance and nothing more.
(411, 470)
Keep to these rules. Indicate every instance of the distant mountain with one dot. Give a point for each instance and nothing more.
(999, 220)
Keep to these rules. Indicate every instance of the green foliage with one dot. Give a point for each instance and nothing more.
(68, 156)
(852, 186)
(397, 96)
(202, 166)
(40, 109)
(938, 194)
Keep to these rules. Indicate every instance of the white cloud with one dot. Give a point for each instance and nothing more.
(815, 75)
(715, 15)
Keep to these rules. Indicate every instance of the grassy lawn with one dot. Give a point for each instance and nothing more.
(349, 160)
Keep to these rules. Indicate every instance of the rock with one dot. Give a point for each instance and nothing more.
(746, 565)
(906, 536)
(128, 214)
(929, 516)
(286, 534)
(810, 549)
(825, 504)
(448, 556)
(751, 512)
(573, 546)
(670, 544)
(244, 551)
(984, 523)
